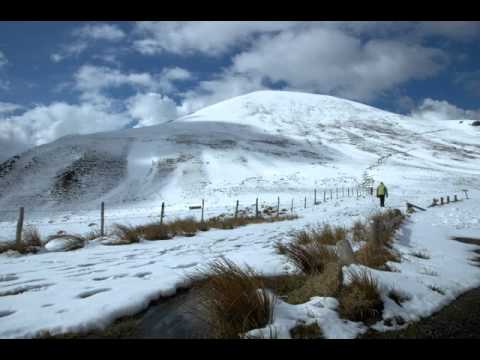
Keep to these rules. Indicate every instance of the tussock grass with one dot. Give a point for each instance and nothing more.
(30, 244)
(184, 227)
(328, 283)
(283, 285)
(325, 235)
(190, 226)
(155, 231)
(375, 255)
(359, 231)
(233, 301)
(310, 258)
(303, 331)
(360, 300)
(126, 234)
(378, 233)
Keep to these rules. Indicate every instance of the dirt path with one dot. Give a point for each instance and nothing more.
(460, 319)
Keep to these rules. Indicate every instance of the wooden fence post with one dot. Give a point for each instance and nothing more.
(331, 194)
(324, 196)
(278, 206)
(448, 199)
(292, 206)
(102, 219)
(305, 202)
(18, 239)
(348, 192)
(455, 198)
(236, 210)
(203, 206)
(162, 213)
(441, 201)
(256, 208)
(315, 197)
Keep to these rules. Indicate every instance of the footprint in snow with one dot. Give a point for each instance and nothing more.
(183, 266)
(141, 275)
(120, 276)
(8, 277)
(90, 293)
(4, 313)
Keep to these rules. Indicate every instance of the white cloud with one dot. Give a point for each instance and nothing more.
(176, 73)
(73, 49)
(6, 107)
(224, 86)
(44, 124)
(152, 109)
(211, 38)
(100, 32)
(92, 80)
(331, 61)
(96, 78)
(84, 37)
(431, 109)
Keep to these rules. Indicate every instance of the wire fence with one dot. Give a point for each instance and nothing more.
(89, 217)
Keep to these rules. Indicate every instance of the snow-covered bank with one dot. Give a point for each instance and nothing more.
(428, 283)
(89, 288)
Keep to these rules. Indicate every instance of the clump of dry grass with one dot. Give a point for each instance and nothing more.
(327, 283)
(303, 331)
(155, 231)
(359, 231)
(310, 258)
(283, 285)
(126, 234)
(376, 256)
(360, 300)
(378, 233)
(233, 301)
(30, 244)
(325, 235)
(184, 227)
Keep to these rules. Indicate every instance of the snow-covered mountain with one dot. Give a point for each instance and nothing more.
(263, 142)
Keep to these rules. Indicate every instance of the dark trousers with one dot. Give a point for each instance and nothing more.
(382, 200)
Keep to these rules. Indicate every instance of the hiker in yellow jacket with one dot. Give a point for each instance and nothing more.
(382, 192)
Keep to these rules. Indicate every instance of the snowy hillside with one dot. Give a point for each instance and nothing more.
(262, 144)
(265, 143)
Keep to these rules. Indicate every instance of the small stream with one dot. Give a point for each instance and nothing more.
(175, 317)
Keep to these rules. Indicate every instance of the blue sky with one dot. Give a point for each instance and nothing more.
(60, 78)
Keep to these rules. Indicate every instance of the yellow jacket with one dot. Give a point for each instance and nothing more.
(382, 190)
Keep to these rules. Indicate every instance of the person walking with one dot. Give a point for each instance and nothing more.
(382, 192)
